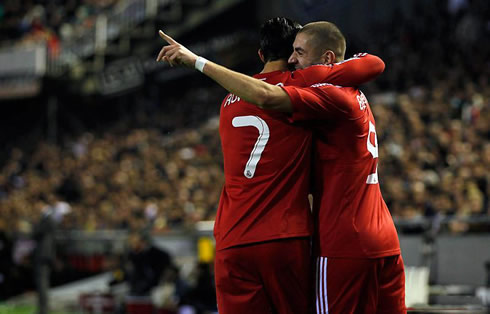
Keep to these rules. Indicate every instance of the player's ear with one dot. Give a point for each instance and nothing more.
(261, 55)
(328, 57)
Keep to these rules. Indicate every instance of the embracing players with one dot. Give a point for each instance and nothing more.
(359, 266)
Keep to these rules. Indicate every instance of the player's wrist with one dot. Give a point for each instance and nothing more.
(200, 63)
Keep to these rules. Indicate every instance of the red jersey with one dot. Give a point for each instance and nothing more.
(351, 217)
(267, 160)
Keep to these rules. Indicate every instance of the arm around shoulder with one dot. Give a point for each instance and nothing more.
(252, 90)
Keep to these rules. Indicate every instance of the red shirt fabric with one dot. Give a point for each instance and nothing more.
(267, 168)
(351, 217)
(267, 160)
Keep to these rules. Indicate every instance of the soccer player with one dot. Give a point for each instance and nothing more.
(261, 185)
(359, 266)
(263, 223)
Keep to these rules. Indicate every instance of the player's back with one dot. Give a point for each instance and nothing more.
(351, 215)
(267, 167)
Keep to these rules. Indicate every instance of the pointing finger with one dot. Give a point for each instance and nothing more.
(167, 38)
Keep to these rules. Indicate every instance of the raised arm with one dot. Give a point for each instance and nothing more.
(359, 69)
(254, 91)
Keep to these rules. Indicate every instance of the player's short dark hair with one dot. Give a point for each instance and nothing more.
(326, 36)
(277, 37)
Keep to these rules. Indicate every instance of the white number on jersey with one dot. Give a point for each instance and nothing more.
(373, 149)
(362, 100)
(259, 146)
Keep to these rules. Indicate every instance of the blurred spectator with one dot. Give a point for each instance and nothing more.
(44, 254)
(146, 264)
(6, 263)
(168, 295)
(45, 21)
(201, 298)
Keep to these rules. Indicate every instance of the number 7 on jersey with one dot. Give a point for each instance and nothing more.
(256, 153)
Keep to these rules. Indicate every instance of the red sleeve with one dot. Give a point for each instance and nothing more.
(324, 101)
(355, 71)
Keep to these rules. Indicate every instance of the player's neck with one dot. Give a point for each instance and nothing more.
(277, 65)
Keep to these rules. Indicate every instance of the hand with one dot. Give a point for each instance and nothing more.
(176, 54)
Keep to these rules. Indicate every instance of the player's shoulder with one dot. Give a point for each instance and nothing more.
(357, 101)
(273, 77)
(280, 78)
(351, 99)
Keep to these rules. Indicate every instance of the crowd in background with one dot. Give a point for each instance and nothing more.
(434, 130)
(174, 180)
(432, 109)
(435, 153)
(49, 21)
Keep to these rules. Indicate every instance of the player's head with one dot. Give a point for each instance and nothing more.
(318, 43)
(276, 38)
